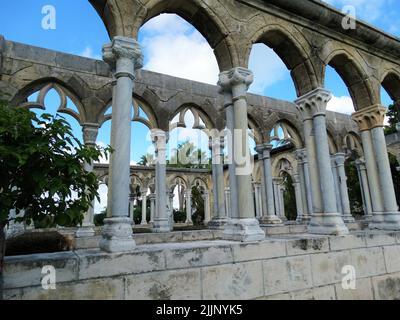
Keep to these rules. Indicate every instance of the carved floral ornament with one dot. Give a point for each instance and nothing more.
(237, 81)
(371, 117)
(313, 103)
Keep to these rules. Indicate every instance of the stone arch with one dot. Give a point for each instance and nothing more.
(293, 49)
(391, 83)
(290, 133)
(175, 180)
(353, 145)
(354, 74)
(333, 147)
(138, 103)
(255, 130)
(125, 17)
(43, 87)
(199, 116)
(284, 162)
(199, 182)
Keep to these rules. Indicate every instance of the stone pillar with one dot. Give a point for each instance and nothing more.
(276, 182)
(170, 196)
(336, 183)
(366, 197)
(152, 198)
(269, 216)
(144, 207)
(219, 218)
(161, 217)
(325, 218)
(132, 209)
(243, 226)
(189, 206)
(371, 122)
(124, 57)
(301, 157)
(207, 215)
(282, 202)
(258, 200)
(227, 202)
(90, 132)
(340, 159)
(299, 203)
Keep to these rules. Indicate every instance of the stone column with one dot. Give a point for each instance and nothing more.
(282, 202)
(340, 159)
(257, 200)
(299, 203)
(152, 198)
(371, 122)
(132, 209)
(207, 215)
(244, 226)
(124, 57)
(144, 207)
(227, 202)
(161, 217)
(301, 157)
(90, 132)
(336, 183)
(269, 216)
(189, 206)
(219, 218)
(366, 197)
(170, 196)
(325, 218)
(276, 182)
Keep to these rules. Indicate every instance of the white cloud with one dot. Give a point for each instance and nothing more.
(88, 53)
(173, 47)
(99, 206)
(268, 68)
(342, 104)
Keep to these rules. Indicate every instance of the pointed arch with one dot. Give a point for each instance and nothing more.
(354, 75)
(293, 50)
(391, 83)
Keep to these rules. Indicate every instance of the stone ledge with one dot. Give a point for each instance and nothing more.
(275, 267)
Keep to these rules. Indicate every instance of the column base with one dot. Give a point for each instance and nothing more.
(144, 223)
(117, 235)
(161, 225)
(217, 224)
(348, 218)
(304, 219)
(270, 220)
(327, 224)
(85, 231)
(189, 222)
(386, 221)
(244, 230)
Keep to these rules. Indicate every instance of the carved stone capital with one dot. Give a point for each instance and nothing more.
(160, 139)
(237, 81)
(216, 145)
(90, 132)
(340, 159)
(313, 103)
(301, 155)
(371, 117)
(264, 150)
(124, 56)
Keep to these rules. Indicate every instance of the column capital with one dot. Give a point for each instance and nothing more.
(360, 163)
(313, 103)
(296, 178)
(340, 159)
(369, 118)
(301, 155)
(216, 144)
(264, 150)
(237, 80)
(90, 132)
(124, 55)
(152, 196)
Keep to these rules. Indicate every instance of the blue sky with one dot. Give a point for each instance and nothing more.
(80, 31)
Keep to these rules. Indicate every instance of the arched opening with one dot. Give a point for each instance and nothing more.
(180, 201)
(173, 46)
(390, 99)
(280, 65)
(188, 145)
(354, 78)
(289, 197)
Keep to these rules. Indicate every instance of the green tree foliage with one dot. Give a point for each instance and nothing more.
(41, 170)
(198, 205)
(394, 117)
(394, 165)
(186, 155)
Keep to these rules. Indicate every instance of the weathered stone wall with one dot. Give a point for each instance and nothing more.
(285, 267)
